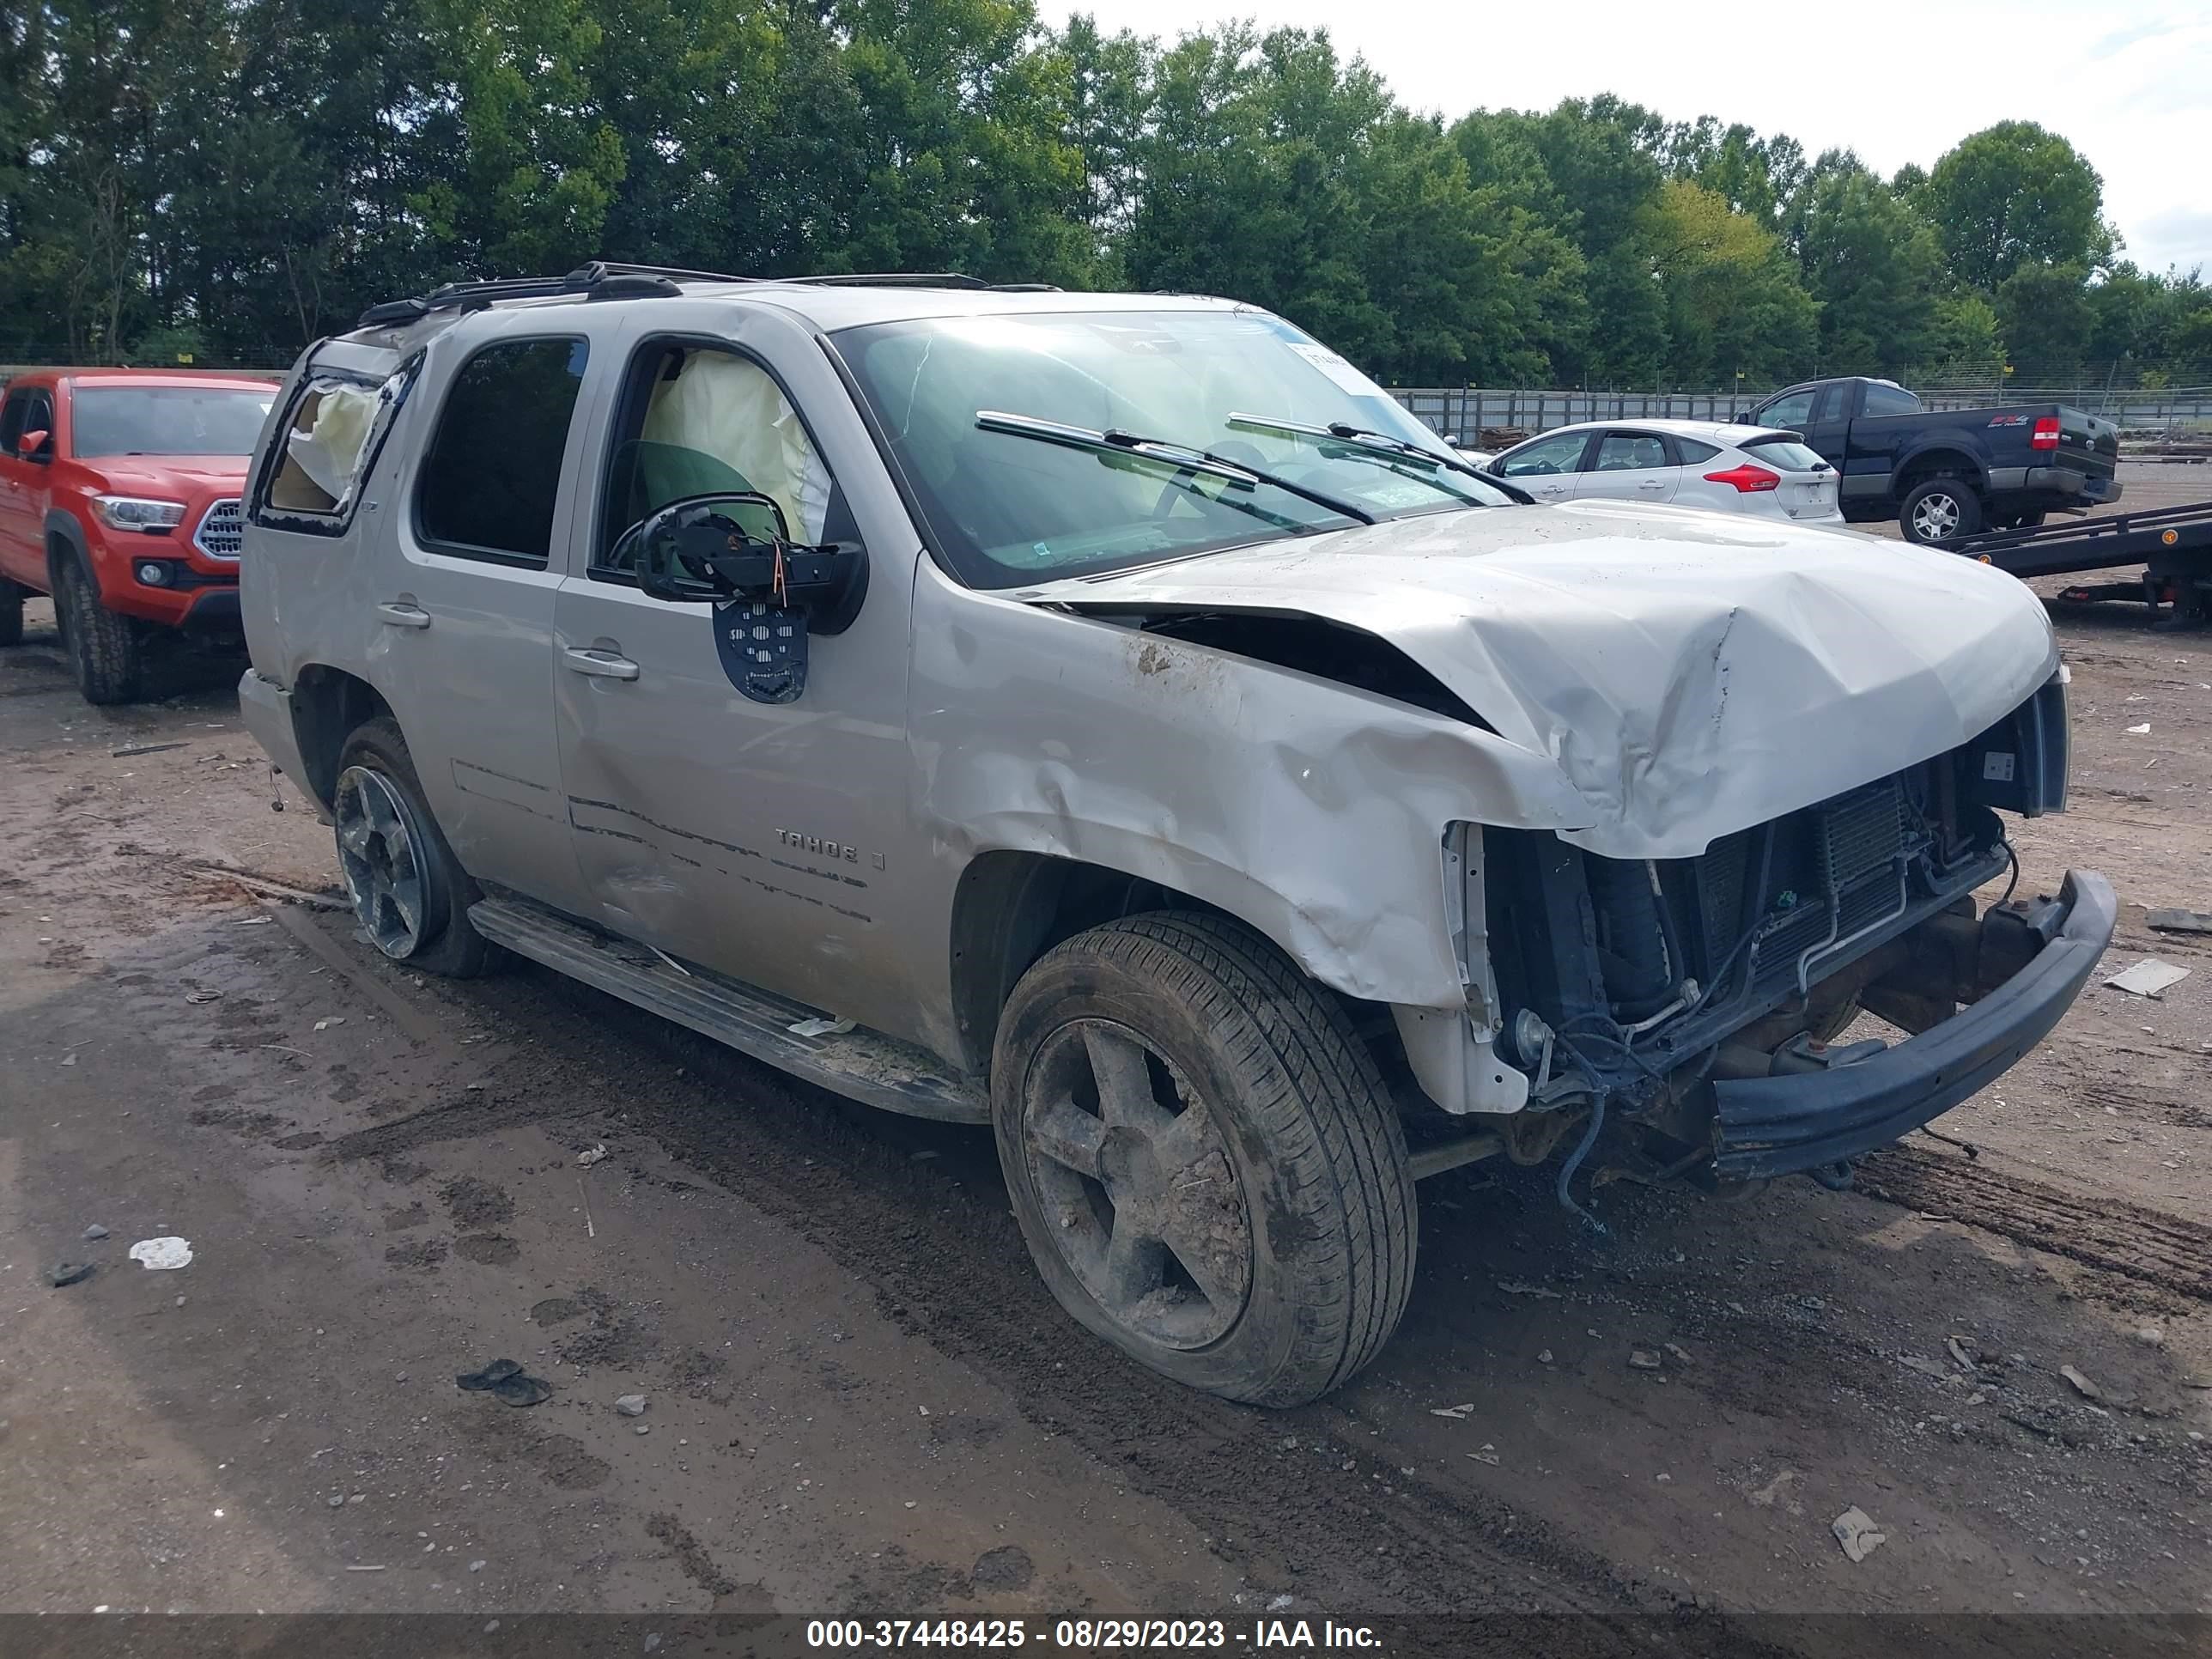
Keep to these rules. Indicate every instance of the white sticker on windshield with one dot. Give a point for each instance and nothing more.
(1338, 370)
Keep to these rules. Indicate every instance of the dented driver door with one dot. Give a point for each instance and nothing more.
(753, 837)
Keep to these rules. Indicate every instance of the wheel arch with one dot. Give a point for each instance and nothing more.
(328, 705)
(65, 538)
(1011, 907)
(1939, 460)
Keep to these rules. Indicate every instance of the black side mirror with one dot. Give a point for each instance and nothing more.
(737, 547)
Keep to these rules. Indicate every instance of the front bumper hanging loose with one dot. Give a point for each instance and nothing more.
(1776, 1126)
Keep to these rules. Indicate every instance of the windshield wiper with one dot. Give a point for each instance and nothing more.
(1162, 451)
(1360, 437)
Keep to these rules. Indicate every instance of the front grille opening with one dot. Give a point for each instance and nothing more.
(221, 533)
(1757, 920)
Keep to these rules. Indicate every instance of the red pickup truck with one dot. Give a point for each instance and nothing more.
(119, 496)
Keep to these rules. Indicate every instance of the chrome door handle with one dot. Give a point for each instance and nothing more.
(400, 614)
(604, 663)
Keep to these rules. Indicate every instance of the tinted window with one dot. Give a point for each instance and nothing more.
(1692, 451)
(11, 420)
(493, 471)
(1786, 453)
(1560, 452)
(1630, 451)
(167, 420)
(1885, 400)
(1793, 410)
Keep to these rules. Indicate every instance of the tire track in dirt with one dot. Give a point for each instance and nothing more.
(2099, 1230)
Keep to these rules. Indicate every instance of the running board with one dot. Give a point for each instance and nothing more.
(863, 1066)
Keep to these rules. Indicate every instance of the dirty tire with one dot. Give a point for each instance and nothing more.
(1938, 511)
(447, 942)
(12, 595)
(1311, 1193)
(104, 651)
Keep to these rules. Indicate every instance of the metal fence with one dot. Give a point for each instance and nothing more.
(1463, 412)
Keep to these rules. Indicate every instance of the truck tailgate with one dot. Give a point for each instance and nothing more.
(2086, 443)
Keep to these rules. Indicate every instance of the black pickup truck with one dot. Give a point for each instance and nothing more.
(1947, 473)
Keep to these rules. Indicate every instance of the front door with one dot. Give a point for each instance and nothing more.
(461, 599)
(1548, 467)
(1630, 466)
(22, 486)
(757, 838)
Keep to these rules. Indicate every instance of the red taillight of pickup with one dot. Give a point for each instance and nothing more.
(2046, 434)
(1746, 479)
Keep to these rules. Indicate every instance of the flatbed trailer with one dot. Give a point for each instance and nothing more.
(2173, 544)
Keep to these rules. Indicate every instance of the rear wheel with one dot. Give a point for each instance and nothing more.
(104, 648)
(1203, 1160)
(12, 595)
(409, 893)
(1940, 510)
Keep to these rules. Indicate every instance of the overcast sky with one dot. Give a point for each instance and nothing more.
(2129, 81)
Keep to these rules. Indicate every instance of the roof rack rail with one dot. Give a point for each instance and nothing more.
(603, 279)
(599, 280)
(918, 279)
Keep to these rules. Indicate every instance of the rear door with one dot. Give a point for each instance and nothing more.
(1548, 467)
(459, 599)
(1630, 465)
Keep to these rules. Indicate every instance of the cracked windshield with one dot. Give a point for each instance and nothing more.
(1013, 506)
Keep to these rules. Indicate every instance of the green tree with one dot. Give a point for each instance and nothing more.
(2015, 194)
(1733, 301)
(2045, 316)
(1873, 266)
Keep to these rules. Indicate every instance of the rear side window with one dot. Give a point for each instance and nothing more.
(1786, 453)
(492, 474)
(1886, 400)
(1693, 452)
(1630, 451)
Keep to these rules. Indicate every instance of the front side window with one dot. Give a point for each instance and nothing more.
(491, 476)
(1007, 501)
(705, 421)
(1793, 410)
(1560, 452)
(1630, 451)
(167, 420)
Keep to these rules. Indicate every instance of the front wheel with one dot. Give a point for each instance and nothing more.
(1940, 510)
(1205, 1162)
(409, 891)
(104, 648)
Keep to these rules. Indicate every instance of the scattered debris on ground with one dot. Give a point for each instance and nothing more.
(1855, 1531)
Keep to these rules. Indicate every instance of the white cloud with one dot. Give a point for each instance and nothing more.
(1897, 81)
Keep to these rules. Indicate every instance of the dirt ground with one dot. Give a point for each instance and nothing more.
(860, 1399)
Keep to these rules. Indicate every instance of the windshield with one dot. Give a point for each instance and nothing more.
(168, 420)
(1007, 509)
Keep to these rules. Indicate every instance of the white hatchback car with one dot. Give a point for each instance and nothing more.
(1727, 469)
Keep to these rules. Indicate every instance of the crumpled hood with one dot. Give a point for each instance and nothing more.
(1689, 673)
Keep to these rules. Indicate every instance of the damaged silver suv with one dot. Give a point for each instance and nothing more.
(1111, 718)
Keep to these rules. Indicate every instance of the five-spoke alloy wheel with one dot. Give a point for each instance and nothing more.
(1205, 1164)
